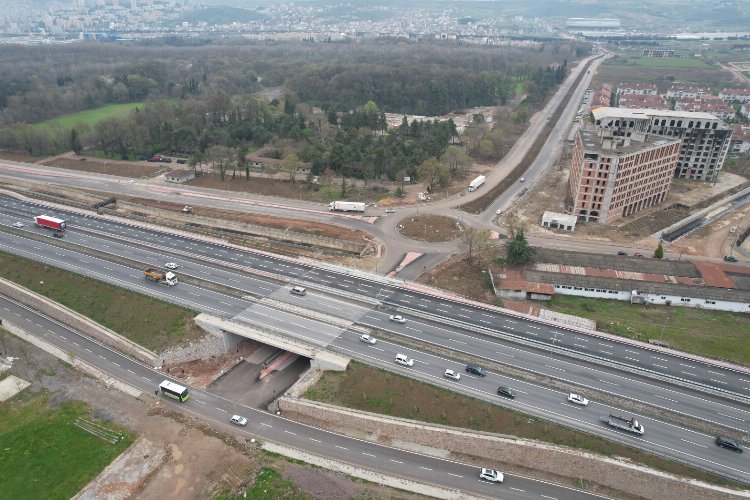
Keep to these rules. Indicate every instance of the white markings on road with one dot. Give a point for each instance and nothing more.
(718, 381)
(425, 468)
(342, 448)
(517, 489)
(222, 409)
(424, 362)
(662, 366)
(532, 333)
(457, 341)
(485, 321)
(687, 366)
(454, 475)
(696, 444)
(717, 373)
(131, 371)
(687, 373)
(730, 416)
(290, 432)
(316, 440)
(369, 455)
(662, 397)
(101, 356)
(606, 352)
(89, 350)
(632, 351)
(115, 363)
(441, 310)
(146, 378)
(608, 382)
(580, 345)
(510, 321)
(268, 425)
(555, 368)
(396, 461)
(505, 354)
(632, 359)
(76, 343)
(198, 400)
(551, 498)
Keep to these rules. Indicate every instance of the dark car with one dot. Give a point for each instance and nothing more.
(506, 391)
(476, 370)
(730, 258)
(622, 253)
(181, 161)
(727, 443)
(57, 235)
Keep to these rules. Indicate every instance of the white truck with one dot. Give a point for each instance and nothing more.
(473, 185)
(163, 278)
(347, 206)
(626, 424)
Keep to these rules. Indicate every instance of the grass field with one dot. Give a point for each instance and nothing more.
(659, 62)
(716, 334)
(91, 116)
(370, 389)
(144, 320)
(43, 455)
(636, 69)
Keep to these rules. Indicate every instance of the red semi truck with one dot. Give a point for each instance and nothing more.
(50, 222)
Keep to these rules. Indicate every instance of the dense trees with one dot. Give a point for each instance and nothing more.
(203, 102)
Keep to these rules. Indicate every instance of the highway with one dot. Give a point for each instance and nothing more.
(265, 426)
(353, 292)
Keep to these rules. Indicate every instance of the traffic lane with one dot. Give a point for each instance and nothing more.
(713, 376)
(289, 324)
(549, 404)
(369, 455)
(183, 294)
(613, 381)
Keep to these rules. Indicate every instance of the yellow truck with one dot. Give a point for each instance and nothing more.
(164, 278)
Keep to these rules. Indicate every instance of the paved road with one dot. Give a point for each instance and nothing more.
(473, 329)
(265, 426)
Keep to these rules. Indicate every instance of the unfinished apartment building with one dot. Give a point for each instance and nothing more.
(615, 176)
(704, 137)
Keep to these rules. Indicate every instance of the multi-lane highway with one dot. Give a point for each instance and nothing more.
(373, 457)
(353, 296)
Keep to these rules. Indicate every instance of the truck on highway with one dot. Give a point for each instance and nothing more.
(626, 424)
(473, 185)
(50, 222)
(167, 278)
(347, 206)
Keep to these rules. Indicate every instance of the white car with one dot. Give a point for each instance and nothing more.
(398, 319)
(390, 210)
(171, 265)
(452, 375)
(405, 360)
(498, 211)
(367, 339)
(577, 399)
(237, 420)
(17, 224)
(491, 475)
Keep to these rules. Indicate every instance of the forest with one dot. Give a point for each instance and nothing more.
(322, 103)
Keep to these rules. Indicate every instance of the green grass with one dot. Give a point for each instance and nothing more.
(43, 455)
(659, 62)
(716, 334)
(374, 390)
(270, 485)
(91, 116)
(144, 320)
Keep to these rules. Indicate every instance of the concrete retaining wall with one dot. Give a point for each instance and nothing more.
(77, 322)
(503, 450)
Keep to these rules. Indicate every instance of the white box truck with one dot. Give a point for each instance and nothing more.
(347, 206)
(473, 185)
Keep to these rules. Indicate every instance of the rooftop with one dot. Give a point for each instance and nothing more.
(646, 113)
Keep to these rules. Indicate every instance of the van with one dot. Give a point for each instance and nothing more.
(298, 290)
(405, 360)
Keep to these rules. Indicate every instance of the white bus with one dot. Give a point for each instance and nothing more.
(172, 390)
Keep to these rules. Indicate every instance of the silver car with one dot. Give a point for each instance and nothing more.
(452, 374)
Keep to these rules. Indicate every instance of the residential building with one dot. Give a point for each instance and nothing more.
(636, 101)
(637, 88)
(555, 220)
(616, 176)
(683, 91)
(735, 95)
(262, 163)
(740, 144)
(705, 138)
(602, 96)
(708, 104)
(745, 110)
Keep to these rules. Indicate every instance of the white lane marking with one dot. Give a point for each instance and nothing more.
(146, 378)
(660, 359)
(316, 440)
(425, 468)
(662, 397)
(551, 498)
(290, 432)
(396, 461)
(369, 455)
(425, 362)
(457, 341)
(268, 425)
(505, 354)
(342, 448)
(717, 373)
(101, 356)
(730, 416)
(662, 366)
(608, 382)
(222, 409)
(632, 359)
(606, 352)
(555, 368)
(131, 371)
(632, 351)
(115, 363)
(718, 381)
(454, 475)
(201, 402)
(696, 444)
(516, 489)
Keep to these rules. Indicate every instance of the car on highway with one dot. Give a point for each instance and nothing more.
(131, 181)
(622, 252)
(637, 254)
(405, 360)
(390, 210)
(522, 179)
(506, 391)
(491, 475)
(298, 290)
(17, 224)
(238, 420)
(476, 370)
(171, 265)
(454, 375)
(577, 399)
(397, 318)
(367, 339)
(729, 444)
(730, 258)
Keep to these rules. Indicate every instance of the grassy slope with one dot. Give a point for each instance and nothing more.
(43, 455)
(144, 320)
(378, 391)
(91, 116)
